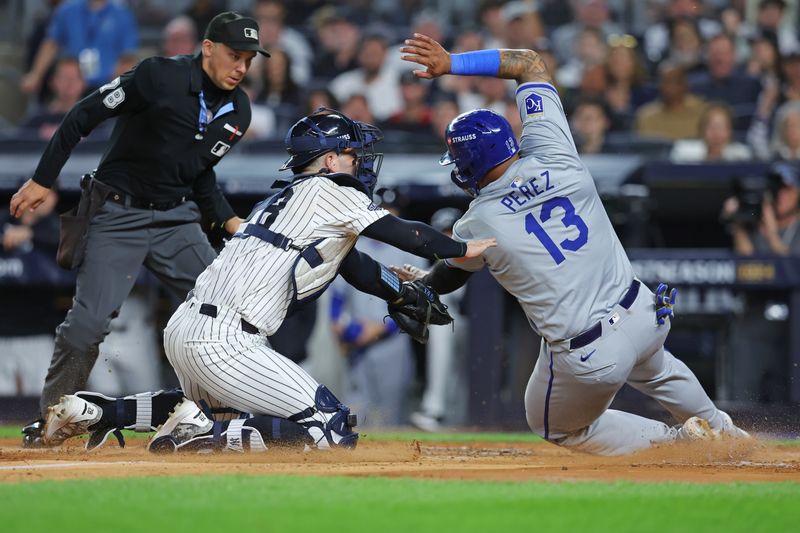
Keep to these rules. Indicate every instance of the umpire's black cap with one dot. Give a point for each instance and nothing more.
(236, 31)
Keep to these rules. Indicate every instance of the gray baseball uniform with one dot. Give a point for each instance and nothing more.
(558, 254)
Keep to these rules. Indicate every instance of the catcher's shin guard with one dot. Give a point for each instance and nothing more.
(326, 430)
(142, 412)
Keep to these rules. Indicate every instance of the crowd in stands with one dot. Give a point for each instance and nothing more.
(705, 80)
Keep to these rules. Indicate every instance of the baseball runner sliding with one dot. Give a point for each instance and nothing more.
(557, 253)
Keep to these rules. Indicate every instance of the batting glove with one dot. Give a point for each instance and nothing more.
(665, 300)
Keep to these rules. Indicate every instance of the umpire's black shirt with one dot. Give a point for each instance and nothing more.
(160, 150)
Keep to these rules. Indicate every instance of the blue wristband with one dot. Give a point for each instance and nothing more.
(480, 63)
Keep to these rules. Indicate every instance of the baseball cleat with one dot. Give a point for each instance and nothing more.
(695, 428)
(185, 423)
(70, 417)
(426, 422)
(32, 434)
(730, 430)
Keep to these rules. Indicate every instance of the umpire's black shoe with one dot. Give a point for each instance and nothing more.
(32, 434)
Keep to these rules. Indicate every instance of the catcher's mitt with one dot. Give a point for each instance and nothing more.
(418, 307)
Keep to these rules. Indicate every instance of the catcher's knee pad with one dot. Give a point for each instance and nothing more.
(329, 431)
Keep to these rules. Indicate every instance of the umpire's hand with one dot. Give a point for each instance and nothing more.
(29, 196)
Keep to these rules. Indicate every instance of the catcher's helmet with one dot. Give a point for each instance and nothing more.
(328, 130)
(477, 141)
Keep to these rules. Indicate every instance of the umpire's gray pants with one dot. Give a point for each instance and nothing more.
(170, 244)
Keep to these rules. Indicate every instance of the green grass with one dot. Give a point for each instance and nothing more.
(295, 504)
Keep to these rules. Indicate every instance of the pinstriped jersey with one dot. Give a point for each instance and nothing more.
(254, 277)
(557, 252)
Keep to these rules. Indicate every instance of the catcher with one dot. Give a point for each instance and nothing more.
(286, 253)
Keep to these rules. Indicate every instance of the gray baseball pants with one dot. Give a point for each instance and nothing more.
(569, 392)
(170, 244)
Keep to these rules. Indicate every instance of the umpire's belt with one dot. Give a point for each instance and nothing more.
(594, 332)
(211, 310)
(126, 200)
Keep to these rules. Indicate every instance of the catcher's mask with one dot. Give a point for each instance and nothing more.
(477, 141)
(328, 130)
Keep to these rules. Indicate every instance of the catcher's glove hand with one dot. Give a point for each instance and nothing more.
(418, 307)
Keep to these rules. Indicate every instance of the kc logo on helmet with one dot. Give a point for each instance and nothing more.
(251, 33)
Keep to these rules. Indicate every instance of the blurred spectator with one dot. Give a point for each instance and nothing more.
(732, 24)
(270, 15)
(357, 108)
(279, 92)
(676, 113)
(773, 230)
(657, 41)
(445, 109)
(716, 139)
(179, 37)
(492, 23)
(425, 22)
(588, 14)
(626, 76)
(202, 11)
(319, 97)
(772, 23)
(446, 380)
(725, 83)
(35, 39)
(338, 38)
(300, 12)
(379, 85)
(590, 122)
(764, 60)
(28, 315)
(416, 113)
(67, 86)
(523, 27)
(785, 139)
(687, 46)
(791, 75)
(492, 94)
(590, 49)
(263, 123)
(101, 34)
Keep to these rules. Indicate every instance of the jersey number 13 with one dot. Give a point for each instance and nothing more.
(569, 219)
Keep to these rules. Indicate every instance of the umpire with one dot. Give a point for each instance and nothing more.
(176, 118)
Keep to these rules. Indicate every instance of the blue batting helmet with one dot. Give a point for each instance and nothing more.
(328, 130)
(477, 141)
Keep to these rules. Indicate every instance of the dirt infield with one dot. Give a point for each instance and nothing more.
(701, 463)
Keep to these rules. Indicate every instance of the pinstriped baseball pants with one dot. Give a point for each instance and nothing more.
(226, 367)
